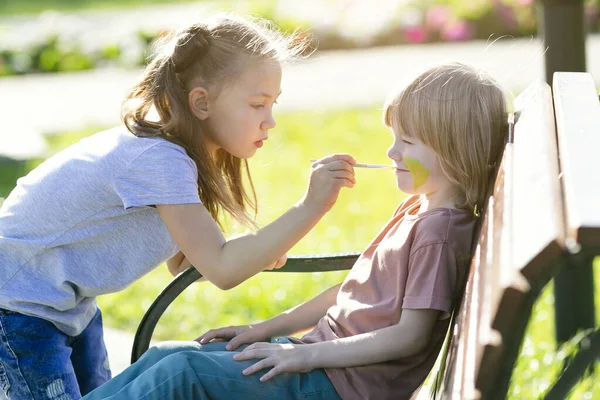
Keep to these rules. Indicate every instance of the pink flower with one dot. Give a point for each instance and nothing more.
(415, 34)
(455, 31)
(591, 13)
(437, 16)
(524, 2)
(507, 15)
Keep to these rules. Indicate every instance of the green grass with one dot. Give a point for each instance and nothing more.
(12, 7)
(280, 171)
(539, 363)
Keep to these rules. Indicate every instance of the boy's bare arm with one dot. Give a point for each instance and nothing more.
(303, 316)
(406, 338)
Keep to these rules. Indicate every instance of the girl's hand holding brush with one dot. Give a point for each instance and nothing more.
(327, 176)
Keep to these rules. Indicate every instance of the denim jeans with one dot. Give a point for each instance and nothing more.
(188, 370)
(38, 361)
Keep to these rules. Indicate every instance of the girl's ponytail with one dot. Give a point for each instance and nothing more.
(191, 46)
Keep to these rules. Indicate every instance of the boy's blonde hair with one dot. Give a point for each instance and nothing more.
(211, 55)
(460, 112)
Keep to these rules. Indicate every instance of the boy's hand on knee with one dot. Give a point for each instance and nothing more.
(220, 334)
(237, 335)
(279, 358)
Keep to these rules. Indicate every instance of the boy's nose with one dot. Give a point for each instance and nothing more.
(394, 153)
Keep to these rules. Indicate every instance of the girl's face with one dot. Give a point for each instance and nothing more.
(418, 170)
(241, 115)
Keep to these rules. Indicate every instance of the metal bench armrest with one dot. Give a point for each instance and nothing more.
(312, 263)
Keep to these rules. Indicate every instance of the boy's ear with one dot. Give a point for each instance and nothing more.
(198, 102)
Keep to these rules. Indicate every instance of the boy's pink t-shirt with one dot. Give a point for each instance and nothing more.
(415, 262)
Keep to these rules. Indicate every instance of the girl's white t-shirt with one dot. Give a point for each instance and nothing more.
(83, 224)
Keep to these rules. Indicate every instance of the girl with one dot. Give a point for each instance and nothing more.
(106, 211)
(377, 335)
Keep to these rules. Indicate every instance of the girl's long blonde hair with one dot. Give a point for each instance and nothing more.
(461, 113)
(210, 54)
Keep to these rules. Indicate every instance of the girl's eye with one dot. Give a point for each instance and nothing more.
(406, 141)
(257, 106)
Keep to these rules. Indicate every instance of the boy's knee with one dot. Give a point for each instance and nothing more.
(164, 349)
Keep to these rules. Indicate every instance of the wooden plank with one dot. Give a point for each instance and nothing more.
(532, 236)
(578, 127)
(499, 278)
(458, 375)
(539, 232)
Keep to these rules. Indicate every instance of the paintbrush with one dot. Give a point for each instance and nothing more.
(359, 165)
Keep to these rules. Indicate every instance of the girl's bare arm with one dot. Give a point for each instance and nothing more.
(227, 263)
(175, 264)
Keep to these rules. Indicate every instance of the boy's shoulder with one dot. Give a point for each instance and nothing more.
(442, 225)
(406, 205)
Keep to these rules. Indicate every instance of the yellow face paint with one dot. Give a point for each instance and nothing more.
(417, 170)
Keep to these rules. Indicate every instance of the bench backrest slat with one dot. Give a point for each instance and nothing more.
(533, 236)
(538, 229)
(578, 128)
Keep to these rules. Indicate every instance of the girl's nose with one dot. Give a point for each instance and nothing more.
(269, 123)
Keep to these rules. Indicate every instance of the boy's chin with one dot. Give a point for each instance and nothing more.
(404, 188)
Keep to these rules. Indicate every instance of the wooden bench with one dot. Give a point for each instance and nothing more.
(540, 215)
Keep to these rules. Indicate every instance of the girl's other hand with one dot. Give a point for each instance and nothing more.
(327, 176)
(237, 335)
(278, 264)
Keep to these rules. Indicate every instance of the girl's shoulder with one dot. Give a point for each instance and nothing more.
(119, 150)
(121, 140)
(142, 139)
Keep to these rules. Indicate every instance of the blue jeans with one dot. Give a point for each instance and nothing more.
(188, 370)
(38, 361)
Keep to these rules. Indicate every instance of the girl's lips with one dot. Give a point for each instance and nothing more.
(400, 170)
(258, 143)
